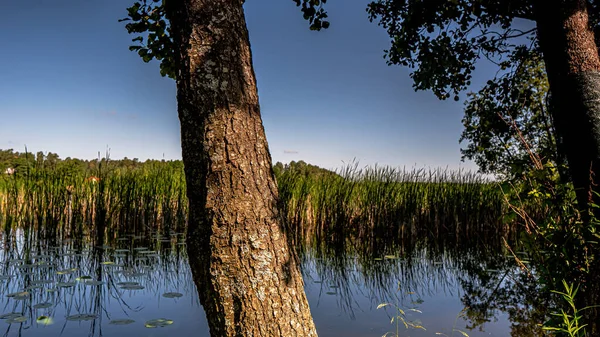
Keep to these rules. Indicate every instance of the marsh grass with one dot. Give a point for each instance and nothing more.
(370, 202)
(374, 202)
(55, 203)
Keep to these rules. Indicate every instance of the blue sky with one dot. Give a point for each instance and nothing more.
(69, 85)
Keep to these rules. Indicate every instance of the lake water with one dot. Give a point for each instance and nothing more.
(135, 284)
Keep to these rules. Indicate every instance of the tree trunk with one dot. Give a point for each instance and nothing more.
(573, 66)
(248, 279)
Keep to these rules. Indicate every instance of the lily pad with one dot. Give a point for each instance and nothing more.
(66, 271)
(19, 295)
(66, 284)
(123, 321)
(132, 287)
(44, 320)
(172, 295)
(93, 283)
(42, 305)
(82, 317)
(10, 315)
(17, 319)
(158, 323)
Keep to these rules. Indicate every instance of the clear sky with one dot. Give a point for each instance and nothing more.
(68, 84)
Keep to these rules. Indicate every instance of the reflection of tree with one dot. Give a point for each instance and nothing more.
(506, 290)
(487, 276)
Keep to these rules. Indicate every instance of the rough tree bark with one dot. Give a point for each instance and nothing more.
(573, 68)
(572, 64)
(247, 277)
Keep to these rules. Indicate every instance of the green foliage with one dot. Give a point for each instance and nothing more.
(507, 121)
(400, 318)
(388, 201)
(568, 322)
(313, 12)
(67, 194)
(444, 39)
(149, 20)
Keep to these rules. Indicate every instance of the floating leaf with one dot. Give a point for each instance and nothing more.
(82, 317)
(17, 319)
(10, 315)
(158, 323)
(123, 321)
(93, 283)
(19, 295)
(172, 295)
(42, 305)
(66, 271)
(132, 287)
(44, 320)
(66, 284)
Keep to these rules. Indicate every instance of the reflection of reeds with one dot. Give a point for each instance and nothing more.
(36, 266)
(421, 265)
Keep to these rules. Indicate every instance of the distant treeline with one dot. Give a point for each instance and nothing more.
(20, 162)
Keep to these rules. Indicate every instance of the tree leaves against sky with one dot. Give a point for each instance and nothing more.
(442, 41)
(148, 19)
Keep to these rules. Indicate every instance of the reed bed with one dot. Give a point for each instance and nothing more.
(369, 203)
(381, 201)
(71, 203)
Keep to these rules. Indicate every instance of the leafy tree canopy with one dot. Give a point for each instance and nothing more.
(507, 122)
(148, 20)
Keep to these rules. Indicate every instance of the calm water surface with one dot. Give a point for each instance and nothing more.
(92, 291)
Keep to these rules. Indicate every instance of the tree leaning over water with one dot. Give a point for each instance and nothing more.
(442, 41)
(247, 277)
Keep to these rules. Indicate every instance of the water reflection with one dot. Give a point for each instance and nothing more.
(76, 289)
(118, 286)
(456, 283)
